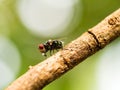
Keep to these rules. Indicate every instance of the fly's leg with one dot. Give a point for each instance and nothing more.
(57, 50)
(50, 53)
(53, 51)
(44, 54)
(61, 48)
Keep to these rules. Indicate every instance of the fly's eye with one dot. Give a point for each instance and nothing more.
(41, 46)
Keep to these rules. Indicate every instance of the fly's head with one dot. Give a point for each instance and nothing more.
(42, 49)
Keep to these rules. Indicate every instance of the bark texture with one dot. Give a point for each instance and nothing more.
(94, 39)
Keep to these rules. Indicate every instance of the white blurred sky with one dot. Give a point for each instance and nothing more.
(46, 17)
(108, 69)
(9, 61)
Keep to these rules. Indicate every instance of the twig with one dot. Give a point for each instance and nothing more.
(78, 50)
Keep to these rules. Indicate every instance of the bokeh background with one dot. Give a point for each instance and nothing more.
(26, 23)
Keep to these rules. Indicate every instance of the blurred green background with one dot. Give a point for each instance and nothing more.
(26, 23)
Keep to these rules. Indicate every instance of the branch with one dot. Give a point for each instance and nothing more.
(93, 40)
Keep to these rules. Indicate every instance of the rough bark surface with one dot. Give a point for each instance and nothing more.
(94, 39)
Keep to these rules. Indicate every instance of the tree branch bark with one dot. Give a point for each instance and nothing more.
(93, 40)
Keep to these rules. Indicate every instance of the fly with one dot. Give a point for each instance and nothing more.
(50, 45)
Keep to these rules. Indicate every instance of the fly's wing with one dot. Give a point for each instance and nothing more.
(63, 40)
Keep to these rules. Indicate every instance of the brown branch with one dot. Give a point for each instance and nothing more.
(87, 44)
